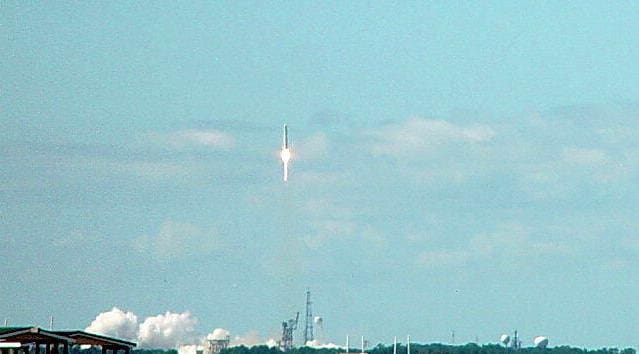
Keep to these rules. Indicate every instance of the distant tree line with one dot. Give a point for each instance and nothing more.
(435, 348)
(415, 348)
(97, 350)
(154, 351)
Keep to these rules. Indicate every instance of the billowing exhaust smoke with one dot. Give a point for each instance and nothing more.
(249, 339)
(115, 323)
(318, 345)
(168, 330)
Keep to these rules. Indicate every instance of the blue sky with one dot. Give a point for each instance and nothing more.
(456, 166)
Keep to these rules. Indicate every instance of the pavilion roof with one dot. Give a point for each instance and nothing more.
(82, 337)
(32, 335)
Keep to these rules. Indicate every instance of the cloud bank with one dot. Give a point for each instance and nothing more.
(177, 239)
(416, 135)
(192, 138)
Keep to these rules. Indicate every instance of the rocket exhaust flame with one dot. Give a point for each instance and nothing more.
(285, 172)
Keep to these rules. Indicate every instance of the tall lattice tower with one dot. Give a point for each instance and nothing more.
(288, 327)
(308, 330)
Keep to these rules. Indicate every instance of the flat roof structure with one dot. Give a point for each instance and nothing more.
(32, 335)
(16, 339)
(110, 343)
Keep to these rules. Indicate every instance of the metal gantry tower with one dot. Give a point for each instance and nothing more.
(288, 328)
(308, 330)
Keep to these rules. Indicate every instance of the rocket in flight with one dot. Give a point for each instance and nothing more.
(285, 153)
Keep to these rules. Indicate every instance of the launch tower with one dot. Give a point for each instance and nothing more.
(288, 328)
(308, 330)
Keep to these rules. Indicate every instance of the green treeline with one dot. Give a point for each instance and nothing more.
(98, 350)
(433, 349)
(401, 349)
(154, 351)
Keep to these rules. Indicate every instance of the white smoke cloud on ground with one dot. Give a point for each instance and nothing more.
(115, 323)
(318, 345)
(168, 330)
(252, 339)
(271, 343)
(189, 349)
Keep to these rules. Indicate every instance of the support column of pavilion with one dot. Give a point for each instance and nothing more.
(49, 348)
(115, 350)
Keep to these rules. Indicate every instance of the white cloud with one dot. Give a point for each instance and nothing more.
(151, 169)
(327, 230)
(168, 330)
(513, 240)
(509, 242)
(631, 243)
(419, 135)
(443, 258)
(177, 239)
(311, 148)
(191, 138)
(115, 323)
(331, 230)
(584, 156)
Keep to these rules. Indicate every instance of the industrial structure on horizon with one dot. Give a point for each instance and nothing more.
(286, 343)
(515, 342)
(308, 329)
(216, 345)
(288, 327)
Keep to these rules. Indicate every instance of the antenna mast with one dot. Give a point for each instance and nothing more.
(347, 344)
(308, 330)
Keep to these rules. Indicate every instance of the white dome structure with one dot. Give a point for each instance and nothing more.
(504, 339)
(219, 334)
(540, 342)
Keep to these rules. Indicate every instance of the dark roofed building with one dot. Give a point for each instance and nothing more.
(107, 343)
(14, 340)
